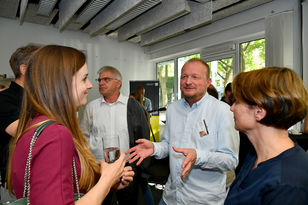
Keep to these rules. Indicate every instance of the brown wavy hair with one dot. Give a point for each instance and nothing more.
(279, 91)
(48, 91)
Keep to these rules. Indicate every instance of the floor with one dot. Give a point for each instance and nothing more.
(159, 178)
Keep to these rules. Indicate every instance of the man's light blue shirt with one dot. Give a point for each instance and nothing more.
(217, 151)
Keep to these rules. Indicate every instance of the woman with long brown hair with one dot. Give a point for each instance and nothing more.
(268, 102)
(56, 85)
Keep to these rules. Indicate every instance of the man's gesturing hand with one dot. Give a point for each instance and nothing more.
(190, 159)
(144, 149)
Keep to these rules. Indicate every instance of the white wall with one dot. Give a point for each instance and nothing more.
(129, 58)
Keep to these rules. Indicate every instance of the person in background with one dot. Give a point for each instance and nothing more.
(136, 95)
(139, 99)
(146, 102)
(212, 91)
(199, 139)
(10, 100)
(124, 117)
(268, 102)
(56, 85)
(228, 97)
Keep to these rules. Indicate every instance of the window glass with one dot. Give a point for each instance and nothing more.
(252, 55)
(165, 75)
(221, 73)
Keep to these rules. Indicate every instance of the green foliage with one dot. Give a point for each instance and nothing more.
(186, 58)
(224, 71)
(165, 75)
(170, 82)
(253, 55)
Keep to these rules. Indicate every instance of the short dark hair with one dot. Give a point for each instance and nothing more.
(280, 91)
(228, 88)
(211, 90)
(21, 56)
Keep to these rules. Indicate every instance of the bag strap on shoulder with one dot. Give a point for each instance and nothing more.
(37, 132)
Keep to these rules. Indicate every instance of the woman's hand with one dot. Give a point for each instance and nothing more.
(127, 177)
(110, 175)
(114, 171)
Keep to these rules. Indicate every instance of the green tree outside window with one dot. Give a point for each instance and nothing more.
(252, 55)
(165, 75)
(221, 73)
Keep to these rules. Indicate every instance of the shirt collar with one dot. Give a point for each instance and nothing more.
(121, 99)
(196, 105)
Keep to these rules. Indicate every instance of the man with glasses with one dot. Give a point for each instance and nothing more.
(117, 115)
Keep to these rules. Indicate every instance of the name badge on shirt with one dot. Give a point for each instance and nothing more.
(203, 130)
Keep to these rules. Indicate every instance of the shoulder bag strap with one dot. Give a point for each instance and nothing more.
(76, 178)
(28, 164)
(37, 132)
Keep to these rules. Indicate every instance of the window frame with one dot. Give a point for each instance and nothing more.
(239, 49)
(219, 54)
(175, 73)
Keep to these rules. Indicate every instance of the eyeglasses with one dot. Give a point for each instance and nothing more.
(105, 80)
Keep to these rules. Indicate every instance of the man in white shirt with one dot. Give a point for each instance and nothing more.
(115, 114)
(199, 139)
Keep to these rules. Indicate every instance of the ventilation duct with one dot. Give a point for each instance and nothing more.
(46, 7)
(132, 14)
(93, 8)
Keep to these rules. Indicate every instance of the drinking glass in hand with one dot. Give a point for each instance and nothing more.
(111, 146)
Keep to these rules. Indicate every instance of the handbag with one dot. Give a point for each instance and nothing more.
(25, 200)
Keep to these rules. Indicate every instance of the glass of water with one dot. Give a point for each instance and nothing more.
(111, 146)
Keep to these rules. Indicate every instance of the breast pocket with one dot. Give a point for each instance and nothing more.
(203, 137)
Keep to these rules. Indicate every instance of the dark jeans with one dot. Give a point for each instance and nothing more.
(161, 202)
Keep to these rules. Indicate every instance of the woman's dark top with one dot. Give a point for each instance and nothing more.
(280, 180)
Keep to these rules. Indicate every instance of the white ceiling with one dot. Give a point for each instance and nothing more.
(145, 22)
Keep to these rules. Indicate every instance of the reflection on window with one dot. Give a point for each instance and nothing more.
(252, 55)
(221, 73)
(165, 75)
(181, 62)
